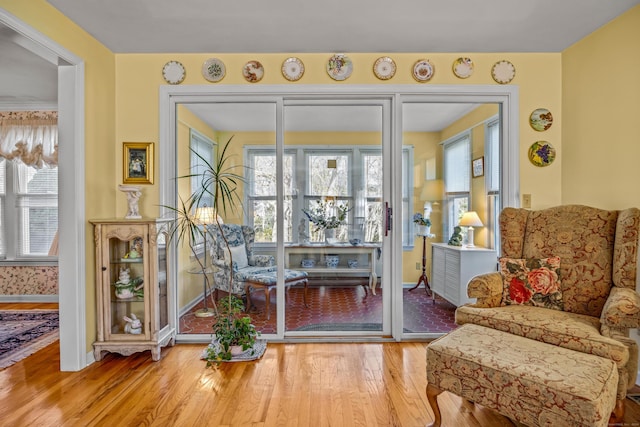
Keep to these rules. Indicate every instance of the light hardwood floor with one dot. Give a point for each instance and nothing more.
(342, 384)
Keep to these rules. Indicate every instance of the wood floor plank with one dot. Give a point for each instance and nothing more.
(314, 384)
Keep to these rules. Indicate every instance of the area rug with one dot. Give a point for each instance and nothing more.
(23, 332)
(343, 327)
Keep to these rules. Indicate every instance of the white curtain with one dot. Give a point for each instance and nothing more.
(30, 137)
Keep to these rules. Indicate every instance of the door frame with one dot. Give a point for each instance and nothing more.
(71, 190)
(507, 96)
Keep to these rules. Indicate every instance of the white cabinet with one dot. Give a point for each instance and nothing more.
(453, 267)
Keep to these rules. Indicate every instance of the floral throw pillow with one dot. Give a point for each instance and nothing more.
(533, 282)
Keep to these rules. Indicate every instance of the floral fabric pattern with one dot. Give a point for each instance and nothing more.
(532, 282)
(27, 280)
(598, 250)
(522, 378)
(236, 235)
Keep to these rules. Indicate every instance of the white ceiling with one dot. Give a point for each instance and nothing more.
(153, 26)
(344, 118)
(28, 77)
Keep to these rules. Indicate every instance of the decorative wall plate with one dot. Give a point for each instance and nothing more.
(173, 72)
(213, 70)
(503, 72)
(463, 67)
(384, 68)
(541, 153)
(292, 69)
(253, 71)
(541, 119)
(339, 67)
(423, 70)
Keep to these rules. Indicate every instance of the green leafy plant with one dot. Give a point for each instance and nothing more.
(419, 219)
(231, 328)
(219, 183)
(327, 215)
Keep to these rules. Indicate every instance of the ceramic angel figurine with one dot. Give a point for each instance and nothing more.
(133, 193)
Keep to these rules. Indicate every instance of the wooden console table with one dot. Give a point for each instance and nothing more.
(367, 256)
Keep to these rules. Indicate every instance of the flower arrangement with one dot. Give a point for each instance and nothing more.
(419, 219)
(327, 215)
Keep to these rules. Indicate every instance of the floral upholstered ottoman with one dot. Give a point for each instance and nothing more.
(268, 281)
(528, 381)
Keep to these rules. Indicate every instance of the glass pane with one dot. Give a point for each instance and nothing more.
(38, 224)
(126, 280)
(339, 215)
(163, 301)
(204, 275)
(328, 174)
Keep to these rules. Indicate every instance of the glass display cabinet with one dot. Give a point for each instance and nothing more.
(131, 287)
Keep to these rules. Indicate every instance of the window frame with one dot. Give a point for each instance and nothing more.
(451, 197)
(12, 224)
(301, 153)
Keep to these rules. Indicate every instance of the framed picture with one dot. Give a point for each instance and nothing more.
(477, 167)
(137, 163)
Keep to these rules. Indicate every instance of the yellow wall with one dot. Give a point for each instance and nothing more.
(101, 175)
(601, 106)
(190, 285)
(590, 88)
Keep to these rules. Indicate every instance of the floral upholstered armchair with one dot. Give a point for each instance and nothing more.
(245, 264)
(568, 278)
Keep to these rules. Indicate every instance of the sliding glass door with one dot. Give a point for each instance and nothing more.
(333, 188)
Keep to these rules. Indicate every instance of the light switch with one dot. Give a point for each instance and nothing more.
(526, 201)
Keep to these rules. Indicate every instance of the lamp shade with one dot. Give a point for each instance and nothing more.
(205, 215)
(432, 190)
(470, 219)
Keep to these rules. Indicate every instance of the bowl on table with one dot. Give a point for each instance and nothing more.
(332, 261)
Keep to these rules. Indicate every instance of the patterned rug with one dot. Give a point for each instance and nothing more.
(23, 332)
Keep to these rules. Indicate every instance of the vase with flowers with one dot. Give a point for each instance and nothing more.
(327, 216)
(423, 223)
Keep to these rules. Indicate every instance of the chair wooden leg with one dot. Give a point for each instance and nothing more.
(267, 299)
(306, 282)
(247, 292)
(617, 415)
(432, 397)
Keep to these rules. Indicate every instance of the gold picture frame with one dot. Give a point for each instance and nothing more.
(477, 167)
(137, 162)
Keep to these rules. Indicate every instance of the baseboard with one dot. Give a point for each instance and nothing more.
(28, 298)
(184, 310)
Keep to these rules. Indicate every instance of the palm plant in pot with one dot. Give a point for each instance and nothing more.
(219, 184)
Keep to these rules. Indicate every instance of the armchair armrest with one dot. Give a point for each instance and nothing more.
(622, 309)
(222, 264)
(262, 260)
(487, 289)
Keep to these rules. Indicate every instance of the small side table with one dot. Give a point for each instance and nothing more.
(423, 277)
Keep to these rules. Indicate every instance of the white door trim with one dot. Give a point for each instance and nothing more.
(71, 210)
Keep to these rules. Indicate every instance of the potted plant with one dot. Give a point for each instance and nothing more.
(423, 223)
(220, 184)
(327, 217)
(235, 334)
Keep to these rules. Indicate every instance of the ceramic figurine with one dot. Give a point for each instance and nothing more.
(456, 237)
(133, 326)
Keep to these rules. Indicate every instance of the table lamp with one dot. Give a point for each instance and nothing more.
(205, 215)
(470, 219)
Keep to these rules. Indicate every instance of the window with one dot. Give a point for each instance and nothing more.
(201, 151)
(28, 210)
(344, 176)
(492, 150)
(457, 179)
(261, 200)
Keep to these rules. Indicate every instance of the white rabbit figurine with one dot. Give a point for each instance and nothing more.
(133, 326)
